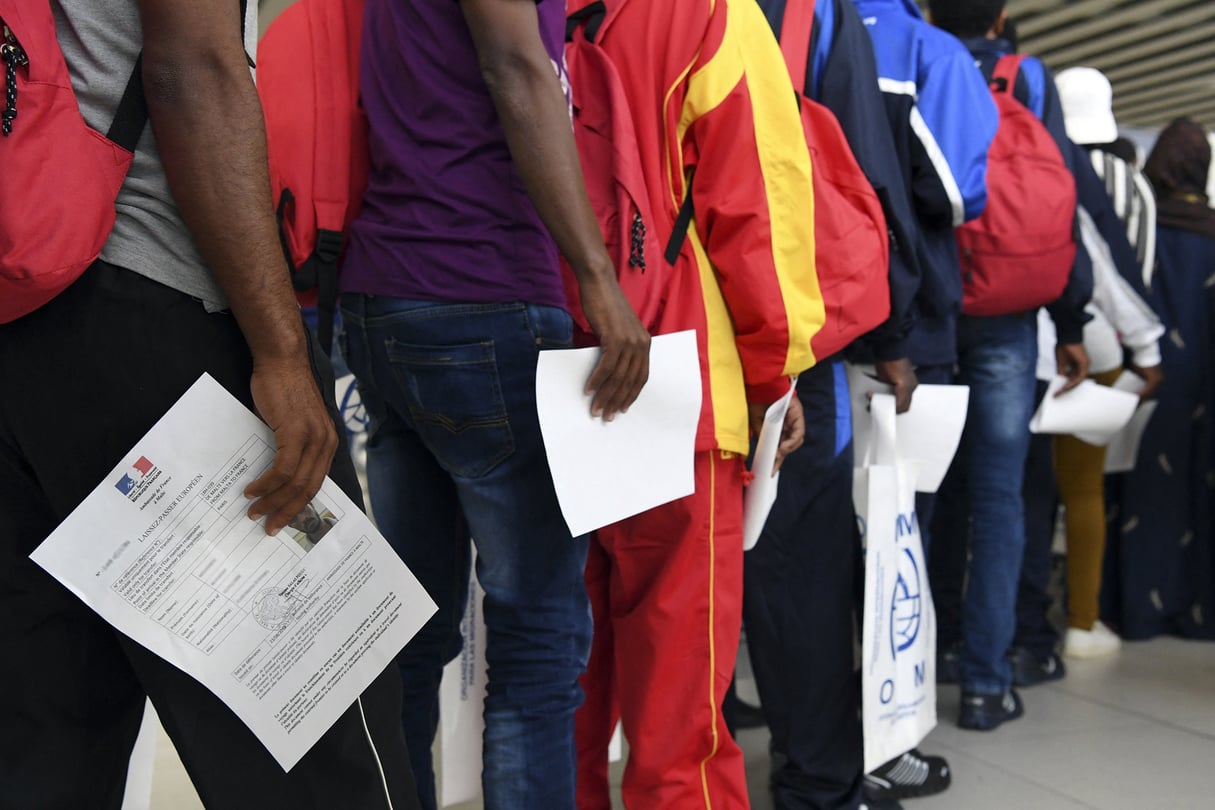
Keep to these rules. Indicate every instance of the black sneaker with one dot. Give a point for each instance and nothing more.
(1030, 670)
(947, 664)
(987, 712)
(907, 777)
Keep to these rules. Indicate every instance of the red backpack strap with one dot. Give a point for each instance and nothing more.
(795, 31)
(1007, 69)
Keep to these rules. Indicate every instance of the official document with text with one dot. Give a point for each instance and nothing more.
(286, 630)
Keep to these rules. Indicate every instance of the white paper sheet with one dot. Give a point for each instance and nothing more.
(286, 630)
(1122, 452)
(761, 492)
(1092, 412)
(603, 471)
(928, 434)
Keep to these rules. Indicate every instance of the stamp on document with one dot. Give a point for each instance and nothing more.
(274, 608)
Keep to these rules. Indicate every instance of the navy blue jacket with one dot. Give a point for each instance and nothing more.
(841, 74)
(1035, 88)
(943, 120)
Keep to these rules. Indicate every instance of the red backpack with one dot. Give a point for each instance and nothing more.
(316, 136)
(60, 177)
(851, 241)
(1018, 255)
(615, 183)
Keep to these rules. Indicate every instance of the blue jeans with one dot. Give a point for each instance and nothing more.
(996, 358)
(455, 452)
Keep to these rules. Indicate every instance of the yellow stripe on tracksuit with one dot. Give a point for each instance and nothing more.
(714, 699)
(749, 53)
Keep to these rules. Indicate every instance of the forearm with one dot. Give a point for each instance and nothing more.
(204, 110)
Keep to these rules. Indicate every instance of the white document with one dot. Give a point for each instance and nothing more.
(1122, 452)
(286, 630)
(603, 471)
(761, 492)
(1092, 412)
(928, 434)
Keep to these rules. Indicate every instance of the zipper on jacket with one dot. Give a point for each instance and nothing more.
(14, 56)
(637, 246)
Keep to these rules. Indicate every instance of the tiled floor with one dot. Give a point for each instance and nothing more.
(1133, 733)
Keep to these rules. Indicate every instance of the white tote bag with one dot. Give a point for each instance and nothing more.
(898, 656)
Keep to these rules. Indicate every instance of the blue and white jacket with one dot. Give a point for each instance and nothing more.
(943, 121)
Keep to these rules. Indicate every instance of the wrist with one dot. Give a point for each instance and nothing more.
(278, 345)
(594, 269)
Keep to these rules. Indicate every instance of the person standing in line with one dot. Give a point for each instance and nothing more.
(997, 359)
(1159, 577)
(191, 280)
(716, 121)
(1087, 99)
(800, 594)
(450, 289)
(943, 121)
(1116, 203)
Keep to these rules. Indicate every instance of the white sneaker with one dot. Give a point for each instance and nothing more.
(1096, 643)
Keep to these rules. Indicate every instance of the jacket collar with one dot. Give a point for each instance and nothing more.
(981, 46)
(906, 6)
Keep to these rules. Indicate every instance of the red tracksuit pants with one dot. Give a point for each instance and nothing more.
(666, 593)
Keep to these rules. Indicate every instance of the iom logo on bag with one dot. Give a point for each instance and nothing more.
(130, 484)
(907, 602)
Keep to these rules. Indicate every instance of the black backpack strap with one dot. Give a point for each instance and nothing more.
(592, 15)
(131, 117)
(132, 114)
(680, 233)
(325, 261)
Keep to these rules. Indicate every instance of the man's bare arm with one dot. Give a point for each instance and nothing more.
(204, 110)
(535, 118)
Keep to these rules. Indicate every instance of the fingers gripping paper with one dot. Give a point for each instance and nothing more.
(604, 472)
(289, 630)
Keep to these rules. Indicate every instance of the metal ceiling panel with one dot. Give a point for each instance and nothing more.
(1158, 54)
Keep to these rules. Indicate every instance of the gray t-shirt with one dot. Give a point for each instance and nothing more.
(101, 40)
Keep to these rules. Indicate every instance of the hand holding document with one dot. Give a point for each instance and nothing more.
(1092, 412)
(761, 492)
(287, 631)
(603, 471)
(928, 434)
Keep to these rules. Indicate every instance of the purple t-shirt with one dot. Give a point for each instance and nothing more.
(445, 216)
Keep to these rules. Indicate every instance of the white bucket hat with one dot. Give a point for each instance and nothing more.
(1087, 100)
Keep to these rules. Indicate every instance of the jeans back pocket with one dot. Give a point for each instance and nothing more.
(456, 404)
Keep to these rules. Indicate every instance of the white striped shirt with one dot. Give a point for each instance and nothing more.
(1134, 203)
